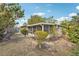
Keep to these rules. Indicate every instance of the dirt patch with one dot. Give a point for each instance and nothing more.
(24, 46)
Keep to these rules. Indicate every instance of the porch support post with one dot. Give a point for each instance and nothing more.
(32, 29)
(36, 28)
(42, 27)
(49, 28)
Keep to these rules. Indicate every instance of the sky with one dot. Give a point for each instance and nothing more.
(60, 11)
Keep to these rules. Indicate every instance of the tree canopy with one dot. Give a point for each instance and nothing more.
(8, 14)
(35, 19)
(72, 29)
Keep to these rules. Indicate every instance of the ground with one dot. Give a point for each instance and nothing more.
(25, 46)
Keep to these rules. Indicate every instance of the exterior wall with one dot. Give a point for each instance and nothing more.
(47, 28)
(32, 29)
(39, 27)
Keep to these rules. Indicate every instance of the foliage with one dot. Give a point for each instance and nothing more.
(24, 31)
(35, 19)
(8, 14)
(71, 29)
(65, 26)
(41, 35)
(51, 20)
(75, 50)
(53, 30)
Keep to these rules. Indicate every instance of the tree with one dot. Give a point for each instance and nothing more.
(65, 26)
(8, 14)
(51, 20)
(40, 36)
(53, 30)
(35, 19)
(24, 31)
(72, 29)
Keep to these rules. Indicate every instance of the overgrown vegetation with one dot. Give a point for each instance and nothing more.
(8, 14)
(24, 31)
(53, 30)
(71, 30)
(35, 19)
(40, 36)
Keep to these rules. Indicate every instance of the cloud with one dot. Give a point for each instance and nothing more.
(72, 14)
(69, 17)
(63, 18)
(77, 7)
(39, 14)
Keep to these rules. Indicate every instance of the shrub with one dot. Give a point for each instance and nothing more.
(53, 30)
(75, 51)
(24, 31)
(71, 30)
(40, 36)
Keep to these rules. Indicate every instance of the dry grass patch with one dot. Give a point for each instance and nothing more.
(23, 46)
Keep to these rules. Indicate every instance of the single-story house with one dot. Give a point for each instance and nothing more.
(40, 26)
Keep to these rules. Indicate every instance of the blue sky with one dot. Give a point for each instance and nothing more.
(58, 10)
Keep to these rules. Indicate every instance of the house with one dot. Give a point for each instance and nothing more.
(40, 26)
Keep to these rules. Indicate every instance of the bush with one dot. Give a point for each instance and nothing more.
(40, 36)
(71, 29)
(75, 51)
(24, 31)
(53, 30)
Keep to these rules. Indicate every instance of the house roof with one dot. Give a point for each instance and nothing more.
(42, 23)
